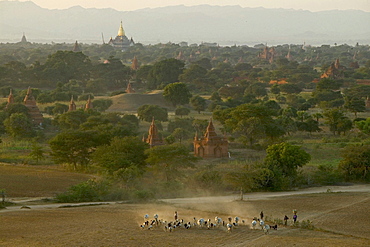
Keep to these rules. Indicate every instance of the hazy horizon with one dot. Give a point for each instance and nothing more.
(310, 5)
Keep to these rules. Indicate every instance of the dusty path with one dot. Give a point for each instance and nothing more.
(35, 203)
(266, 195)
(115, 224)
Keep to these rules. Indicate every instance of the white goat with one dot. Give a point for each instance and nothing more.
(262, 223)
(254, 223)
(266, 229)
(229, 227)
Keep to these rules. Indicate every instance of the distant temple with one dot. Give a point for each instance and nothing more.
(211, 145)
(24, 40)
(335, 71)
(10, 99)
(34, 112)
(289, 56)
(129, 88)
(268, 54)
(121, 41)
(76, 47)
(153, 136)
(135, 64)
(72, 105)
(89, 104)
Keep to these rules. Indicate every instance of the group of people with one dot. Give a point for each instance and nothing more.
(295, 216)
(286, 218)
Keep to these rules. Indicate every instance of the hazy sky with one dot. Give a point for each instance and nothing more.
(127, 5)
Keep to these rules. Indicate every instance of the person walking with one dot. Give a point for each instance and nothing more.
(286, 218)
(295, 215)
(295, 218)
(261, 215)
(175, 215)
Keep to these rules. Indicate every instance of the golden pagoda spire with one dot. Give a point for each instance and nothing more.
(121, 33)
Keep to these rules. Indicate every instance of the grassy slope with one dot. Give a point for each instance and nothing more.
(131, 102)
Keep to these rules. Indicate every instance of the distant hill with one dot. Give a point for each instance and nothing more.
(131, 102)
(225, 25)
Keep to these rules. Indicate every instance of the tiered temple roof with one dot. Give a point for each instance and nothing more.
(72, 105)
(129, 88)
(211, 145)
(10, 99)
(268, 54)
(121, 41)
(34, 112)
(335, 71)
(89, 104)
(153, 136)
(135, 64)
(76, 47)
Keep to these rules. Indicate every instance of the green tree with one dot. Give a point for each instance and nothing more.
(63, 66)
(102, 104)
(74, 147)
(290, 88)
(364, 126)
(37, 153)
(121, 153)
(16, 108)
(337, 121)
(199, 103)
(165, 72)
(184, 123)
(19, 125)
(355, 163)
(250, 121)
(177, 93)
(180, 134)
(169, 159)
(72, 119)
(182, 111)
(147, 112)
(354, 104)
(283, 160)
(275, 89)
(194, 72)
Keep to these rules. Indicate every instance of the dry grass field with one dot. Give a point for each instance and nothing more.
(341, 218)
(37, 181)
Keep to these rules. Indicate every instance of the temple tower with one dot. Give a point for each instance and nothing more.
(34, 112)
(121, 41)
(89, 104)
(24, 40)
(72, 105)
(10, 99)
(135, 64)
(153, 136)
(210, 145)
(76, 47)
(129, 88)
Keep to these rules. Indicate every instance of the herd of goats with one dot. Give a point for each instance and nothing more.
(201, 223)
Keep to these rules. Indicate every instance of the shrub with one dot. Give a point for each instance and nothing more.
(87, 191)
(306, 224)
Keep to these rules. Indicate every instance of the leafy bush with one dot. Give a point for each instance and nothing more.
(88, 191)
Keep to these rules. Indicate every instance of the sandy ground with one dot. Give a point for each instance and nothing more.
(341, 219)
